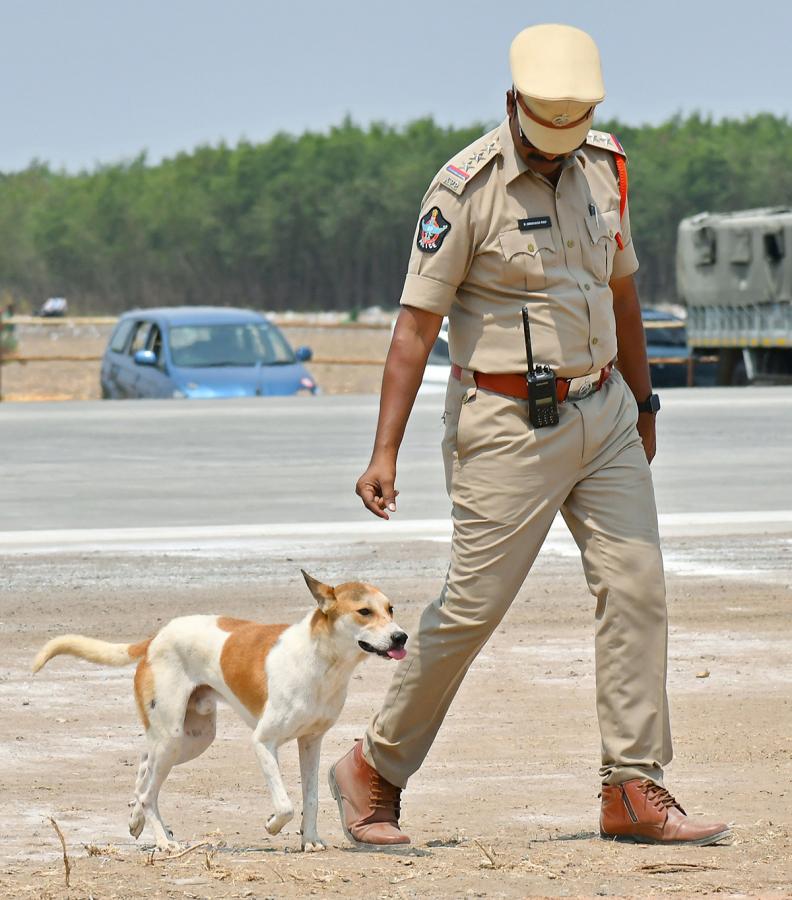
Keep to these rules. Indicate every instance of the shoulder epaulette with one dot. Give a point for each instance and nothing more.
(605, 141)
(458, 172)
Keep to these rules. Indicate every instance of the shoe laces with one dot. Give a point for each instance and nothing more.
(384, 795)
(659, 796)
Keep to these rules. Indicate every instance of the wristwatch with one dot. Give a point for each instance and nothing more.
(650, 405)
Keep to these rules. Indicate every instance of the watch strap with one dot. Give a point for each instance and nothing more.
(650, 405)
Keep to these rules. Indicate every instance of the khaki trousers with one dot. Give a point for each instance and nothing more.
(507, 481)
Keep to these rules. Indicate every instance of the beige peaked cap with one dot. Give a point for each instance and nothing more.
(557, 74)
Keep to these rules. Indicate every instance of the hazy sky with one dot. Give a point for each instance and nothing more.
(85, 82)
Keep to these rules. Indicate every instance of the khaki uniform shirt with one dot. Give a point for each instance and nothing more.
(480, 265)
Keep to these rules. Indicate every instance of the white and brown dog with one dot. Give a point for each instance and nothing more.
(287, 682)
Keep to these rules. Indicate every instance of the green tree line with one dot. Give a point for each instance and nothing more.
(325, 221)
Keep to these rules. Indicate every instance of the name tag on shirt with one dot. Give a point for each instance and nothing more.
(534, 223)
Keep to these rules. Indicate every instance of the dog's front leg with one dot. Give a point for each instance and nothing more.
(267, 753)
(309, 747)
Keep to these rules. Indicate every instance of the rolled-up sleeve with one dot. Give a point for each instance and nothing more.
(625, 262)
(435, 271)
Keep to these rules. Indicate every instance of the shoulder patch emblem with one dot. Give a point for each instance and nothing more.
(432, 231)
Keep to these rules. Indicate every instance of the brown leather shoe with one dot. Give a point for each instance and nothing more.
(641, 812)
(368, 804)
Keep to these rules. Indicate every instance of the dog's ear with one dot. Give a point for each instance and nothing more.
(323, 593)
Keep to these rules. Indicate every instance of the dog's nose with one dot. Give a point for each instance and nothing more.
(399, 638)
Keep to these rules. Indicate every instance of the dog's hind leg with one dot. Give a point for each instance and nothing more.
(163, 756)
(200, 727)
(142, 772)
(310, 746)
(137, 818)
(198, 732)
(266, 747)
(166, 747)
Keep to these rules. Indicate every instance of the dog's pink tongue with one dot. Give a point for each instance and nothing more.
(397, 654)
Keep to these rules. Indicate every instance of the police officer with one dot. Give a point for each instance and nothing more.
(533, 213)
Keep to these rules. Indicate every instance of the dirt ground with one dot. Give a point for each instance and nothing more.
(506, 804)
(80, 380)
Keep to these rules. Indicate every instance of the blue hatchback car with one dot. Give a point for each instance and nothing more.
(201, 352)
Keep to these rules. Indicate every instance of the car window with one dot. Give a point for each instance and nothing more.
(248, 344)
(121, 335)
(140, 338)
(154, 343)
(674, 337)
(274, 345)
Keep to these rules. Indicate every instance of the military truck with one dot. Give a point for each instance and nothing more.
(734, 273)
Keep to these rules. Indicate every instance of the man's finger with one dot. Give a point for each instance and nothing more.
(369, 494)
(389, 494)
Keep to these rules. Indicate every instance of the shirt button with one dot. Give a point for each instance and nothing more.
(595, 340)
(570, 243)
(531, 248)
(586, 287)
(558, 195)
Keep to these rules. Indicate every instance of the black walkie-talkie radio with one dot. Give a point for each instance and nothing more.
(542, 398)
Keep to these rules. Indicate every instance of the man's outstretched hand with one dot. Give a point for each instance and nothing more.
(375, 487)
(413, 337)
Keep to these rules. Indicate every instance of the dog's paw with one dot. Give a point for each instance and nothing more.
(169, 846)
(314, 846)
(136, 822)
(276, 821)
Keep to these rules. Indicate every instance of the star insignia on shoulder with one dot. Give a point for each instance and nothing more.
(482, 154)
(456, 175)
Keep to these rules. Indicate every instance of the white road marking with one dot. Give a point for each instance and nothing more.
(160, 538)
(164, 536)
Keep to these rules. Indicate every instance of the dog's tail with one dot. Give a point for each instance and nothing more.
(95, 651)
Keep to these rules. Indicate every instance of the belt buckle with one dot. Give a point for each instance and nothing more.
(582, 386)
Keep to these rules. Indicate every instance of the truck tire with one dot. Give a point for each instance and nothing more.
(739, 377)
(727, 360)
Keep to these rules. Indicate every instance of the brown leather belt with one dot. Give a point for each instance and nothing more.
(513, 384)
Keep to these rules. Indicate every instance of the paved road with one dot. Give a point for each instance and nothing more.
(98, 465)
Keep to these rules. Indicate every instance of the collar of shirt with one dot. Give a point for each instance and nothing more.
(514, 165)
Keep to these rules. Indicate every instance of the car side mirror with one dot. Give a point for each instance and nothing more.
(303, 354)
(145, 358)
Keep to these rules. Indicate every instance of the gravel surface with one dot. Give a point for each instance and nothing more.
(506, 804)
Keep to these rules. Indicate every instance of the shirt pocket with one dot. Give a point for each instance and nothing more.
(598, 244)
(525, 255)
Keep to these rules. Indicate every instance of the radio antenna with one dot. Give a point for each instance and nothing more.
(527, 332)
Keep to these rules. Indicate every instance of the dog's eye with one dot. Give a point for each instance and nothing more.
(390, 611)
(364, 612)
